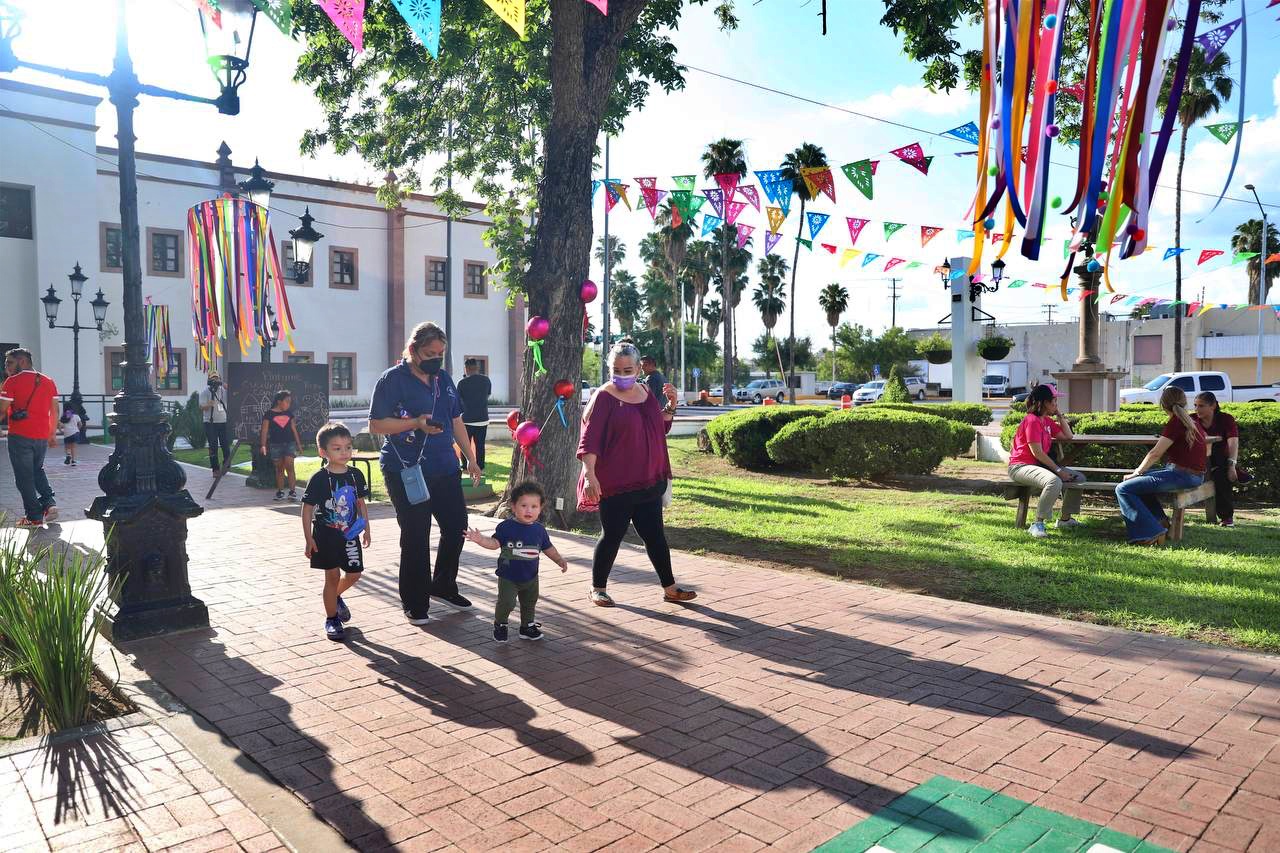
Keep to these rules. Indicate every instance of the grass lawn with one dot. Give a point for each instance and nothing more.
(942, 536)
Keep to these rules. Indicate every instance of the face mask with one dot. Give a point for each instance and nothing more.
(624, 383)
(431, 366)
(215, 384)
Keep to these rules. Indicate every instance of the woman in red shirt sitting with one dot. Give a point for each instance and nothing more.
(1031, 465)
(625, 468)
(1183, 446)
(1222, 454)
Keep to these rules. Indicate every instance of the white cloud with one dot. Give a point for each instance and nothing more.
(906, 101)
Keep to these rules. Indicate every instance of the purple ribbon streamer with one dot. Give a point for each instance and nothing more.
(1235, 155)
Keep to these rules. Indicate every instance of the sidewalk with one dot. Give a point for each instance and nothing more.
(779, 710)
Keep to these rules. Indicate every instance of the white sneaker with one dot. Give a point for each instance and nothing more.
(1067, 524)
(1037, 530)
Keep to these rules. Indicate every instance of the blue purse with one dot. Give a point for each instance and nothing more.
(415, 484)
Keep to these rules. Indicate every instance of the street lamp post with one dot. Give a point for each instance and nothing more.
(145, 505)
(1262, 278)
(99, 305)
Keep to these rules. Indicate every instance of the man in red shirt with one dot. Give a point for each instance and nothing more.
(30, 401)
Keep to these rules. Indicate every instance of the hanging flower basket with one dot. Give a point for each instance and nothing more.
(995, 347)
(938, 356)
(936, 348)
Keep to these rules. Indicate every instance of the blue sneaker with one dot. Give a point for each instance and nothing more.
(344, 614)
(333, 630)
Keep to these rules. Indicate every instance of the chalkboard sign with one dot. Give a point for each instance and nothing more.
(251, 387)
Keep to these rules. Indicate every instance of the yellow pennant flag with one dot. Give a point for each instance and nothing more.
(511, 11)
(807, 173)
(848, 255)
(776, 218)
(1206, 309)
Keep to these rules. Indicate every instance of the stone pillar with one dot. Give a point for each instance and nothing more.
(1088, 351)
(395, 279)
(1089, 386)
(967, 366)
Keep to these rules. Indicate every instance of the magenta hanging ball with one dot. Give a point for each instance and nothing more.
(989, 223)
(995, 123)
(1171, 24)
(1050, 21)
(1056, 202)
(1092, 266)
(1052, 131)
(537, 328)
(528, 433)
(589, 291)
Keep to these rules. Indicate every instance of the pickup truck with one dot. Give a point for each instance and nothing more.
(1195, 381)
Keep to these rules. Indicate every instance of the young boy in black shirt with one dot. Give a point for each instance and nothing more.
(334, 534)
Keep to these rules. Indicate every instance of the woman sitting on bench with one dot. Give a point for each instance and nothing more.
(1222, 455)
(1183, 441)
(1031, 465)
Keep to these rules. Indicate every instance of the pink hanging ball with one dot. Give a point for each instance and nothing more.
(589, 291)
(527, 434)
(995, 123)
(537, 328)
(1052, 131)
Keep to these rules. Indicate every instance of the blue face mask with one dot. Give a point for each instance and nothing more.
(623, 383)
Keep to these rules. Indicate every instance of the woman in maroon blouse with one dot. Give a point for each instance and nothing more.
(1183, 448)
(625, 468)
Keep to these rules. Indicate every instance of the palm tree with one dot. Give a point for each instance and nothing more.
(625, 301)
(674, 240)
(807, 156)
(739, 260)
(834, 299)
(617, 253)
(725, 156)
(697, 266)
(769, 296)
(1206, 88)
(656, 293)
(712, 316)
(1248, 238)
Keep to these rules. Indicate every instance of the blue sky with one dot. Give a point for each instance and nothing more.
(858, 65)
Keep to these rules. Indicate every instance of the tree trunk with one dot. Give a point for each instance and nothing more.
(833, 352)
(726, 286)
(1177, 259)
(791, 339)
(583, 66)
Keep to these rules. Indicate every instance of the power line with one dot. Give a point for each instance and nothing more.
(895, 293)
(1049, 310)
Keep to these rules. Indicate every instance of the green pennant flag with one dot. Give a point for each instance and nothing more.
(891, 228)
(681, 199)
(860, 175)
(914, 264)
(808, 244)
(1018, 282)
(1224, 132)
(1243, 256)
(695, 205)
(685, 182)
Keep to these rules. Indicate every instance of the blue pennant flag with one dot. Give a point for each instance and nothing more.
(769, 179)
(963, 234)
(869, 257)
(967, 132)
(816, 221)
(423, 17)
(1169, 253)
(595, 187)
(710, 223)
(782, 192)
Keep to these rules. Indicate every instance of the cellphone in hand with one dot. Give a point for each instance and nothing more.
(432, 422)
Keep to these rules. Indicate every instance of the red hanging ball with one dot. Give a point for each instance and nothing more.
(564, 389)
(1051, 86)
(513, 419)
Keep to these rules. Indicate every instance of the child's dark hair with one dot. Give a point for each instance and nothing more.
(329, 432)
(528, 487)
(282, 395)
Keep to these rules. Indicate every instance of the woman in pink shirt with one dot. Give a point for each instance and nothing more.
(1031, 465)
(626, 470)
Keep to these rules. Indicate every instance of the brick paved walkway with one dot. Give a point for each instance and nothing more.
(778, 710)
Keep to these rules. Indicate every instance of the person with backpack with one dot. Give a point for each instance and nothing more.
(30, 401)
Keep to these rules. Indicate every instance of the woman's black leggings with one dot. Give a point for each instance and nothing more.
(1223, 499)
(616, 514)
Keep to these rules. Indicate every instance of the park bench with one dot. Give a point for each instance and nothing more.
(1182, 499)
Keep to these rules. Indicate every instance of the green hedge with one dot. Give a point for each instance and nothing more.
(740, 436)
(1259, 440)
(869, 443)
(975, 414)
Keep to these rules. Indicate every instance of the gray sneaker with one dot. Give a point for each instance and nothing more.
(1067, 524)
(1037, 530)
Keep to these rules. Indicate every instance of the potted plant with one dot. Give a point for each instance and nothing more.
(936, 348)
(994, 347)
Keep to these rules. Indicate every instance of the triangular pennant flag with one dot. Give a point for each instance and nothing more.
(893, 262)
(621, 191)
(727, 182)
(1244, 256)
(652, 198)
(1208, 254)
(924, 164)
(768, 177)
(848, 255)
(776, 218)
(1216, 39)
(676, 219)
(348, 17)
(1172, 252)
(818, 180)
(808, 244)
(1018, 282)
(423, 18)
(996, 237)
(816, 221)
(830, 248)
(771, 239)
(913, 265)
(963, 234)
(279, 12)
(511, 11)
(1206, 309)
(611, 196)
(908, 153)
(955, 274)
(1224, 132)
(1275, 256)
(927, 233)
(966, 132)
(602, 5)
(860, 175)
(716, 197)
(695, 205)
(870, 256)
(891, 228)
(680, 199)
(647, 183)
(595, 187)
(749, 193)
(710, 223)
(744, 234)
(733, 209)
(685, 182)
(782, 195)
(855, 227)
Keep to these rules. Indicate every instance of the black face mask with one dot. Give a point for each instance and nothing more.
(215, 384)
(431, 366)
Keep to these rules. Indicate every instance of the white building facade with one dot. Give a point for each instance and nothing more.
(375, 274)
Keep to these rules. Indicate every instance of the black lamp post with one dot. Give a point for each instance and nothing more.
(976, 288)
(99, 305)
(145, 505)
(258, 188)
(304, 246)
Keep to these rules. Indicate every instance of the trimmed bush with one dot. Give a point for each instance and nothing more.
(870, 443)
(895, 390)
(740, 436)
(1259, 440)
(975, 414)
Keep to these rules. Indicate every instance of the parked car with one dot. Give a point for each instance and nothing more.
(758, 389)
(1195, 381)
(1021, 397)
(717, 391)
(839, 389)
(915, 386)
(587, 390)
(869, 393)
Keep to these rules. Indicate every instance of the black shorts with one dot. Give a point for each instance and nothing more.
(335, 552)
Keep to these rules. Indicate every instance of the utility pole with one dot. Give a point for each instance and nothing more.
(823, 15)
(1048, 309)
(895, 294)
(608, 262)
(448, 256)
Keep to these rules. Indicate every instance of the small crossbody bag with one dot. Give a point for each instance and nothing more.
(414, 480)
